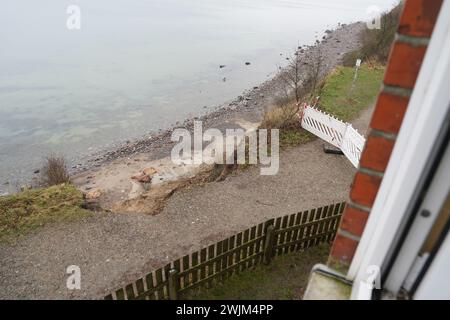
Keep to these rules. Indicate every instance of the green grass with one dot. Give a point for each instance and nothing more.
(284, 279)
(30, 209)
(291, 138)
(337, 98)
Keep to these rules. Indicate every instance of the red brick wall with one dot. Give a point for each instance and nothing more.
(415, 28)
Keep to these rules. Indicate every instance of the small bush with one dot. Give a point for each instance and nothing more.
(280, 117)
(54, 171)
(376, 43)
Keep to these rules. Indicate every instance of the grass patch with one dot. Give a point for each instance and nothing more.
(30, 209)
(292, 138)
(284, 279)
(337, 96)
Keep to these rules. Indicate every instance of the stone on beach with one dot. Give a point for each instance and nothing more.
(145, 176)
(149, 171)
(94, 194)
(142, 177)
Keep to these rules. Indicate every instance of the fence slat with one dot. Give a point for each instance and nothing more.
(219, 250)
(130, 292)
(203, 253)
(259, 246)
(245, 249)
(282, 238)
(251, 249)
(211, 255)
(239, 251)
(315, 228)
(120, 294)
(140, 287)
(224, 261)
(302, 230)
(289, 233)
(186, 277)
(295, 233)
(231, 257)
(308, 229)
(318, 226)
(193, 264)
(177, 265)
(150, 286)
(159, 282)
(325, 223)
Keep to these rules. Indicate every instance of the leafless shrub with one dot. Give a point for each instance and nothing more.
(313, 78)
(280, 117)
(54, 171)
(300, 81)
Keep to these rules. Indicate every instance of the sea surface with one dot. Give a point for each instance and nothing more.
(136, 66)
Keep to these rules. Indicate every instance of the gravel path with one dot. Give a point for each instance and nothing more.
(115, 249)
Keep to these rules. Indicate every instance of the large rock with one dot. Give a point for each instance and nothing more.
(145, 176)
(94, 194)
(149, 171)
(142, 177)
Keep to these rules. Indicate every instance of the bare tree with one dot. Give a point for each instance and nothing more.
(315, 68)
(302, 76)
(299, 82)
(292, 77)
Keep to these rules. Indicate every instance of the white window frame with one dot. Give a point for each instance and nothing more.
(420, 128)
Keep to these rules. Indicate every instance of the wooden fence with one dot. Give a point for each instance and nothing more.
(259, 244)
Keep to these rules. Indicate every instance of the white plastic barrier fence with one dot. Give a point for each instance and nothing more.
(352, 145)
(324, 126)
(334, 131)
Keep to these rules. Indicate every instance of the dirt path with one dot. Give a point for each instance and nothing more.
(114, 249)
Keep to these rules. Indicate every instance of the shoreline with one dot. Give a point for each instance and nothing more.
(249, 106)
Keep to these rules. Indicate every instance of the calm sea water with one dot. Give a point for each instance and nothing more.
(137, 65)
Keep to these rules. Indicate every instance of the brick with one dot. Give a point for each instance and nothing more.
(354, 220)
(404, 65)
(343, 248)
(419, 17)
(377, 153)
(364, 189)
(389, 113)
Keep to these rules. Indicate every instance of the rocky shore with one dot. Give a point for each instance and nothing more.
(249, 106)
(115, 180)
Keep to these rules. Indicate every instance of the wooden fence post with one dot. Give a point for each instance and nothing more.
(268, 244)
(173, 284)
